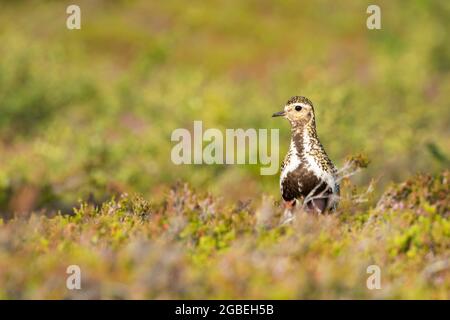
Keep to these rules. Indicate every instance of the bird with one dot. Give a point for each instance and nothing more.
(307, 173)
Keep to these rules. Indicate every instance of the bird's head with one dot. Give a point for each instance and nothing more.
(298, 110)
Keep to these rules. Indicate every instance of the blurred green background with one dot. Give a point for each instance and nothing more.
(89, 113)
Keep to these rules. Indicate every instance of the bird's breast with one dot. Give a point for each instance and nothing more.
(302, 174)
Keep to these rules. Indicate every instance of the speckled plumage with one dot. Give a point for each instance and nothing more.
(306, 169)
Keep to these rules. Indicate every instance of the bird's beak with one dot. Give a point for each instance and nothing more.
(279, 114)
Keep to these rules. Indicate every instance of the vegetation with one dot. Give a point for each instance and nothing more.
(85, 172)
(192, 245)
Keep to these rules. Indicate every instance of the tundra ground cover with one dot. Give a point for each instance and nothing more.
(193, 245)
(86, 116)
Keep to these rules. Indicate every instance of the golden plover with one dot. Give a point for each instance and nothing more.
(307, 172)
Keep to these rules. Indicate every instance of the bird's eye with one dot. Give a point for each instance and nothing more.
(298, 108)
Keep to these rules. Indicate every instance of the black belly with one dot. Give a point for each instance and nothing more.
(300, 182)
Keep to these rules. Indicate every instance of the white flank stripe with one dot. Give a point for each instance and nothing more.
(294, 162)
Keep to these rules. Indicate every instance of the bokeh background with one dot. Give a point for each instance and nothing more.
(88, 114)
(90, 111)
